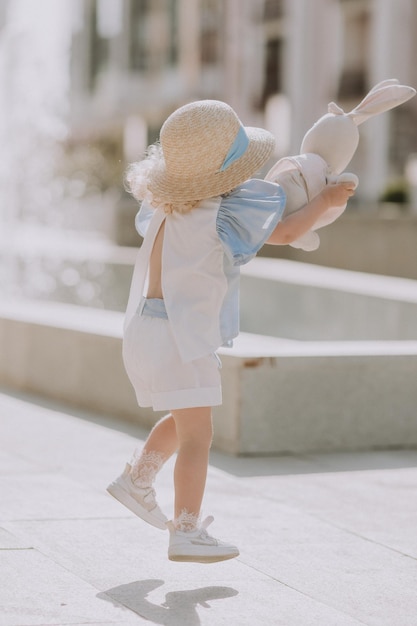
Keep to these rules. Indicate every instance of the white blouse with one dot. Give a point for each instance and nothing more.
(202, 252)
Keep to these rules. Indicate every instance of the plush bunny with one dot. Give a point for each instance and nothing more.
(326, 150)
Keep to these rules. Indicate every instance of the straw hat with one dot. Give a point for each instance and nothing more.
(207, 152)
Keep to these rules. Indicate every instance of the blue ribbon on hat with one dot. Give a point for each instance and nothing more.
(237, 149)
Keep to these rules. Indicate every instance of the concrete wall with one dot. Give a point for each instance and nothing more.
(68, 353)
(301, 403)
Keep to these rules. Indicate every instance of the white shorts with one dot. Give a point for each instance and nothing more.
(159, 377)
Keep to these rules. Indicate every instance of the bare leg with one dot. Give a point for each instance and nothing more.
(159, 446)
(194, 432)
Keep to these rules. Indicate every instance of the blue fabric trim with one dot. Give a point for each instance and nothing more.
(144, 217)
(237, 149)
(153, 307)
(247, 217)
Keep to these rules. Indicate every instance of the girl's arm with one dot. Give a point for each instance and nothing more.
(296, 224)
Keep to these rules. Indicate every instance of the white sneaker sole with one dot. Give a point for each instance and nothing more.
(115, 490)
(202, 558)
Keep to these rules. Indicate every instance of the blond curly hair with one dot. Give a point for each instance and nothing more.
(137, 177)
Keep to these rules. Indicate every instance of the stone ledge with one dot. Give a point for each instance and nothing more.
(280, 395)
(302, 301)
(294, 403)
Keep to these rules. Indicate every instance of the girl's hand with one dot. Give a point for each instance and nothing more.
(296, 224)
(337, 194)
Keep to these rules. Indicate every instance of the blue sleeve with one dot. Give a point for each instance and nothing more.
(143, 218)
(247, 217)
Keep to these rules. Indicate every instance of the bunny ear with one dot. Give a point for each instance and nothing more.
(385, 83)
(381, 98)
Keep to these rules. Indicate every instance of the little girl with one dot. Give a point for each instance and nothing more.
(202, 216)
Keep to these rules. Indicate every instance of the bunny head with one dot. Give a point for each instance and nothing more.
(335, 136)
(326, 150)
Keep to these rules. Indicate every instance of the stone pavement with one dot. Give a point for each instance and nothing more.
(329, 540)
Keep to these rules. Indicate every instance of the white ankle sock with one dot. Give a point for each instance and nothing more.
(186, 522)
(145, 466)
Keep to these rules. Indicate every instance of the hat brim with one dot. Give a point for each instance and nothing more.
(183, 189)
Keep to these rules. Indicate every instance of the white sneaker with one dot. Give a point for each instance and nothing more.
(140, 501)
(198, 546)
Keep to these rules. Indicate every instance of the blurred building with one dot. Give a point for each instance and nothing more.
(277, 62)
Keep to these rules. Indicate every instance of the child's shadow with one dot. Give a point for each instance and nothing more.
(179, 608)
